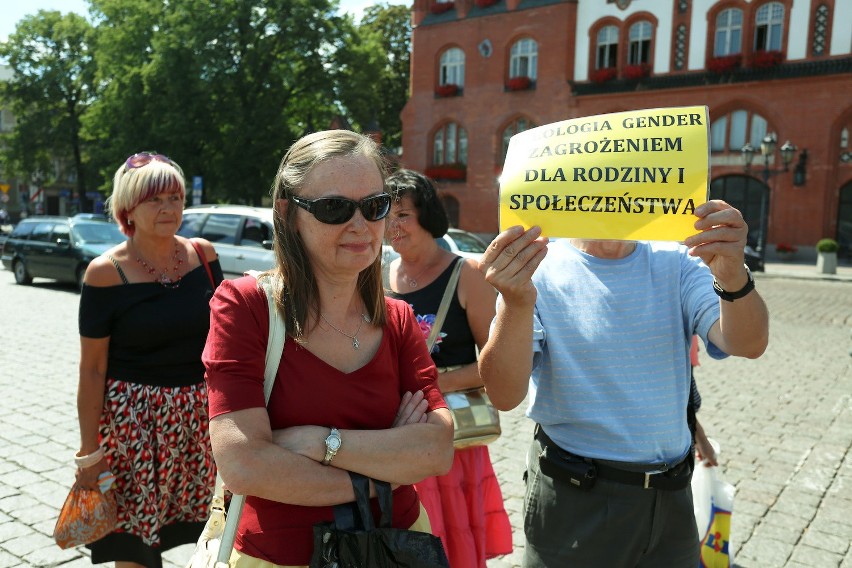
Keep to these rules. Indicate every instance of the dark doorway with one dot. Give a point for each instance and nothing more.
(844, 222)
(751, 197)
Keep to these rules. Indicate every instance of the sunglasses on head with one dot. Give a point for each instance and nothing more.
(338, 210)
(143, 159)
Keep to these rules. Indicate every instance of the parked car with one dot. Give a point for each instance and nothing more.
(241, 234)
(57, 247)
(457, 241)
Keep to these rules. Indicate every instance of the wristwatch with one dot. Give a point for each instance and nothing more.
(731, 296)
(332, 445)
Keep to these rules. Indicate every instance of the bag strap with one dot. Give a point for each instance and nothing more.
(345, 517)
(445, 304)
(203, 258)
(274, 351)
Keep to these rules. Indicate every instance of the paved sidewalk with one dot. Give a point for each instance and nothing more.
(784, 423)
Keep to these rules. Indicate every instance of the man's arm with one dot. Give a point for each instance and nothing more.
(743, 326)
(505, 362)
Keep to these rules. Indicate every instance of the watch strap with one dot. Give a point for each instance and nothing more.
(731, 296)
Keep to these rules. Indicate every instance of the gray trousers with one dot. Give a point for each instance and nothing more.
(611, 526)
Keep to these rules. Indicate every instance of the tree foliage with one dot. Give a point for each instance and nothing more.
(223, 87)
(50, 91)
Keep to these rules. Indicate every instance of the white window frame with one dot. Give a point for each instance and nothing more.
(452, 67)
(639, 48)
(729, 33)
(770, 22)
(606, 48)
(523, 59)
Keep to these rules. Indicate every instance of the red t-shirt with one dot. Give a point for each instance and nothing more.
(309, 391)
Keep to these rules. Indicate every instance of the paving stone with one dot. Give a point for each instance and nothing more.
(825, 541)
(816, 557)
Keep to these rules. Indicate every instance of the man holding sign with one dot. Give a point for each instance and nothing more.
(599, 333)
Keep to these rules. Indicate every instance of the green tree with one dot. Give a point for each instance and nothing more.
(372, 67)
(51, 89)
(224, 88)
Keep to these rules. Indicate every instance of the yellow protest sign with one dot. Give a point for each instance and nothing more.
(4, 187)
(636, 175)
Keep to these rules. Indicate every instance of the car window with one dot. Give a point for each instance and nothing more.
(191, 225)
(98, 233)
(220, 228)
(41, 232)
(255, 232)
(23, 230)
(442, 242)
(468, 243)
(61, 231)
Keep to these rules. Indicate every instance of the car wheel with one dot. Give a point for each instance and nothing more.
(81, 273)
(21, 274)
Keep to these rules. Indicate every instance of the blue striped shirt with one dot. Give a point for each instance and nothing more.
(611, 349)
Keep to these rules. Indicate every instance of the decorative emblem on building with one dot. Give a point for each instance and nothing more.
(485, 48)
(622, 4)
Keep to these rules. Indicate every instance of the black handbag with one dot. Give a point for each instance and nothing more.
(353, 541)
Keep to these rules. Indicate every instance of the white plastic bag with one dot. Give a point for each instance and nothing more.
(713, 502)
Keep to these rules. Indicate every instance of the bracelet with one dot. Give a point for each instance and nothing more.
(91, 459)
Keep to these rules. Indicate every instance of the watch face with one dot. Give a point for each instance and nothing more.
(333, 443)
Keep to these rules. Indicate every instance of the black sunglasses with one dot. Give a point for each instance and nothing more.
(338, 210)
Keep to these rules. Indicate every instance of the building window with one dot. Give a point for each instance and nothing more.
(449, 145)
(517, 125)
(729, 32)
(452, 67)
(731, 132)
(639, 51)
(607, 51)
(768, 28)
(820, 30)
(523, 59)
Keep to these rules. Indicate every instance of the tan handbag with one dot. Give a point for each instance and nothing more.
(475, 420)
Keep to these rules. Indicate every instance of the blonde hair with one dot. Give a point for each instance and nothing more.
(297, 294)
(132, 186)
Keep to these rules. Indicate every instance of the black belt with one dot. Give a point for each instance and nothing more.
(674, 478)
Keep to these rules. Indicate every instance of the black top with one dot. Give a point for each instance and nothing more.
(455, 344)
(156, 333)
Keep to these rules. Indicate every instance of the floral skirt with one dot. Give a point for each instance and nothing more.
(157, 445)
(466, 510)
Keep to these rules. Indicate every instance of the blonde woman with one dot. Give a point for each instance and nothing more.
(142, 401)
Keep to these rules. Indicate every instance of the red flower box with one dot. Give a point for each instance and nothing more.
(485, 3)
(518, 83)
(448, 90)
(766, 59)
(725, 63)
(637, 71)
(441, 7)
(600, 76)
(450, 172)
(785, 248)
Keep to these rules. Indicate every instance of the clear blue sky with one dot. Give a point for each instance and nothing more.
(14, 11)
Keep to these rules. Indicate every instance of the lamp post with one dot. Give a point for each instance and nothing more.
(767, 150)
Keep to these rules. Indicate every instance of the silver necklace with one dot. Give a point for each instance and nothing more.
(355, 343)
(412, 281)
(163, 279)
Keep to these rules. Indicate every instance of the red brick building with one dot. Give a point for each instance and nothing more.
(483, 70)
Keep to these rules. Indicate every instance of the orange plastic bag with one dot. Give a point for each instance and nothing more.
(85, 517)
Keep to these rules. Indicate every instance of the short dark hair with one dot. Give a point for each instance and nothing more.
(430, 211)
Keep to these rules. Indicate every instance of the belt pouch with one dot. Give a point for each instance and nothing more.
(574, 470)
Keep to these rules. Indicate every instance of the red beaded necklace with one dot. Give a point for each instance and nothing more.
(164, 279)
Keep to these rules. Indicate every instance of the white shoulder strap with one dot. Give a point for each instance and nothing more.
(274, 352)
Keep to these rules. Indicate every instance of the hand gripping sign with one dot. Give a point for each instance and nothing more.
(636, 175)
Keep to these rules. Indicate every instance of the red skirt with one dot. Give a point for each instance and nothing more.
(157, 445)
(466, 510)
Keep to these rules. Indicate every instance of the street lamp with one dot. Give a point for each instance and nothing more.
(767, 150)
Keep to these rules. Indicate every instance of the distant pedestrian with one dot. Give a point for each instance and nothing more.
(599, 332)
(142, 400)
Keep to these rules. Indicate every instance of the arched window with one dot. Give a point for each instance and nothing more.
(518, 125)
(523, 59)
(731, 132)
(607, 49)
(452, 67)
(729, 33)
(639, 50)
(768, 27)
(449, 145)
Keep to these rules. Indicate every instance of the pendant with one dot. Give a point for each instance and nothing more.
(412, 283)
(355, 344)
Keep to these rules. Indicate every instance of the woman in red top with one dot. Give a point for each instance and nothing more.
(356, 389)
